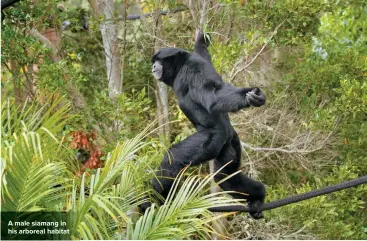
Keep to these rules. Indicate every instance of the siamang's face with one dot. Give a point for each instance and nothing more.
(167, 62)
(157, 69)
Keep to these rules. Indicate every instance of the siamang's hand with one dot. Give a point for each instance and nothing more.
(256, 205)
(255, 97)
(203, 39)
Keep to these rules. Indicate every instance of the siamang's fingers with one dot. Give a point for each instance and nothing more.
(256, 99)
(260, 96)
(244, 91)
(251, 100)
(202, 38)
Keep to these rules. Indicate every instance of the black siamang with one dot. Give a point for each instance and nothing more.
(206, 100)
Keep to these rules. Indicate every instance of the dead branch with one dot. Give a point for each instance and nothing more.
(234, 74)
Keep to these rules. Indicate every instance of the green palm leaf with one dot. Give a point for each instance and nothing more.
(108, 202)
(30, 178)
(34, 117)
(185, 213)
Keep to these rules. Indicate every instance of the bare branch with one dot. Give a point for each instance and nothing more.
(233, 75)
(93, 4)
(290, 151)
(203, 13)
(191, 8)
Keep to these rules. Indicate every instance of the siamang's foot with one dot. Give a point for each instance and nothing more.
(143, 207)
(256, 205)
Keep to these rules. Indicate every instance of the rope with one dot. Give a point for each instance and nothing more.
(294, 199)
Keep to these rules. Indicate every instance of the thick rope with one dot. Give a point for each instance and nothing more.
(296, 198)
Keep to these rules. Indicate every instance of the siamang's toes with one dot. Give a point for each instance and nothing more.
(259, 215)
(257, 206)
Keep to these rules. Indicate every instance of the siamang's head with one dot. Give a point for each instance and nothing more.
(167, 62)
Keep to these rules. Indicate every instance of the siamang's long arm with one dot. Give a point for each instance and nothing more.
(7, 3)
(225, 98)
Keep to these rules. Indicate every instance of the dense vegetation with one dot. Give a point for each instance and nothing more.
(69, 83)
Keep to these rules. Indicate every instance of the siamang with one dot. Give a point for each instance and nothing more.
(206, 100)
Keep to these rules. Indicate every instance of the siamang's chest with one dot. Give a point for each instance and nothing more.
(192, 110)
(187, 106)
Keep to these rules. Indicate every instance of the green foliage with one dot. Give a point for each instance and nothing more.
(28, 13)
(225, 56)
(335, 216)
(29, 174)
(30, 169)
(129, 109)
(58, 76)
(34, 177)
(298, 19)
(178, 217)
(24, 49)
(332, 82)
(50, 117)
(329, 86)
(345, 27)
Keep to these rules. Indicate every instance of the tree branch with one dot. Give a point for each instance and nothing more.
(34, 32)
(233, 75)
(147, 15)
(289, 151)
(203, 14)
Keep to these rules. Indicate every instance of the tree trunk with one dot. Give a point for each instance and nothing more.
(123, 44)
(110, 43)
(161, 88)
(220, 224)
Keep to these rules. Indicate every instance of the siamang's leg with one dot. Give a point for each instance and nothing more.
(245, 187)
(194, 150)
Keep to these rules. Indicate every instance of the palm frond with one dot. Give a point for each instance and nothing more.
(31, 117)
(30, 177)
(107, 200)
(185, 213)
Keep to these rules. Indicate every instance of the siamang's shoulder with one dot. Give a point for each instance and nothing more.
(199, 71)
(196, 62)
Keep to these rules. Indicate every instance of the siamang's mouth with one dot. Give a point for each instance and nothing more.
(157, 70)
(157, 74)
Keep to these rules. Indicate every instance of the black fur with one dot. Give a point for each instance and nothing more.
(206, 100)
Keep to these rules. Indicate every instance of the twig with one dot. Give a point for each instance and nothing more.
(203, 14)
(192, 12)
(280, 149)
(257, 55)
(147, 15)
